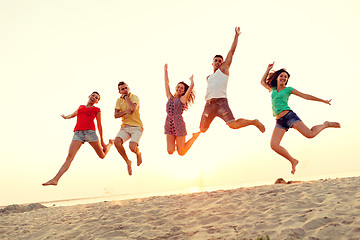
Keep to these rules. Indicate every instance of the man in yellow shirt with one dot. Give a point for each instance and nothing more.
(127, 108)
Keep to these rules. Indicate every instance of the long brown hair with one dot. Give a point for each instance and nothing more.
(271, 80)
(191, 98)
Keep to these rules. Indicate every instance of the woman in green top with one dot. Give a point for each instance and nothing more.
(276, 82)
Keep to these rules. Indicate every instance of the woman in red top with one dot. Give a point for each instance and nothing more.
(84, 132)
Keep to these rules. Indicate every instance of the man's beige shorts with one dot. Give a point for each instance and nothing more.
(130, 132)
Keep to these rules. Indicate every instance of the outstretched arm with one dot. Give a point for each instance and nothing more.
(226, 64)
(266, 74)
(74, 114)
(185, 97)
(310, 97)
(167, 87)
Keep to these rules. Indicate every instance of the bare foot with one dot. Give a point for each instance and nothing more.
(332, 124)
(138, 158)
(50, 182)
(259, 125)
(108, 146)
(293, 166)
(129, 167)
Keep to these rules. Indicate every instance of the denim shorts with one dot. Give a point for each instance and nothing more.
(85, 136)
(218, 107)
(287, 121)
(132, 132)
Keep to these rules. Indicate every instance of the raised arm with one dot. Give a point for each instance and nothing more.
(185, 97)
(167, 87)
(74, 114)
(226, 64)
(310, 97)
(266, 74)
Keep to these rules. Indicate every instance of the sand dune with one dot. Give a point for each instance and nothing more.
(323, 209)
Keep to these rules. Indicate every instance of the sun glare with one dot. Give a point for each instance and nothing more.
(193, 190)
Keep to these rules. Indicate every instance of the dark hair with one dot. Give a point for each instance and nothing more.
(96, 93)
(219, 56)
(191, 98)
(121, 83)
(271, 80)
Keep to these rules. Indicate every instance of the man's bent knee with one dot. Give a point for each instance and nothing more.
(133, 147)
(232, 125)
(118, 141)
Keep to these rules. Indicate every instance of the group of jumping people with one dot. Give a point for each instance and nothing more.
(127, 108)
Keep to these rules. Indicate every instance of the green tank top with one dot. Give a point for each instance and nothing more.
(279, 100)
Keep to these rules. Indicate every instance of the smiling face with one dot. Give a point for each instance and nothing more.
(217, 61)
(180, 89)
(94, 98)
(282, 78)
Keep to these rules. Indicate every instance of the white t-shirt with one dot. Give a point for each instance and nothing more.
(217, 84)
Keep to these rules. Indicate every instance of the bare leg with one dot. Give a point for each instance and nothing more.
(276, 138)
(119, 146)
(241, 122)
(170, 143)
(135, 149)
(315, 130)
(101, 152)
(182, 146)
(73, 149)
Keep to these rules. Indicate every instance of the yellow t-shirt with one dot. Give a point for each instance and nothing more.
(130, 119)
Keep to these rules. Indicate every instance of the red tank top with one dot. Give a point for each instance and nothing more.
(85, 118)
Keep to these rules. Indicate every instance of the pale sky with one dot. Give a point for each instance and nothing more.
(53, 54)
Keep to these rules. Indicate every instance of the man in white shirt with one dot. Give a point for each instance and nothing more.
(216, 98)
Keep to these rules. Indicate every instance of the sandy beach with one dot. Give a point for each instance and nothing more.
(322, 209)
